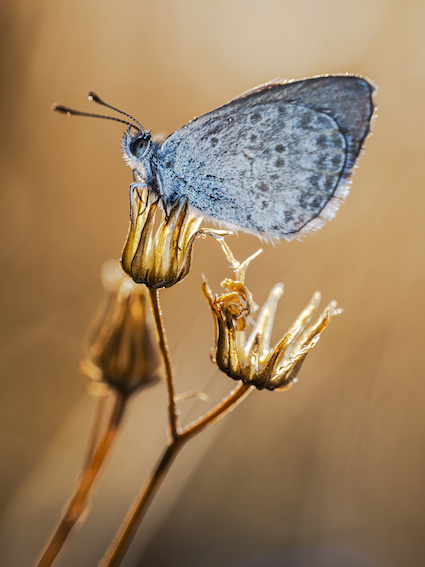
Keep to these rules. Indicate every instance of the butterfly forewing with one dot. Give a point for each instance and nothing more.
(271, 160)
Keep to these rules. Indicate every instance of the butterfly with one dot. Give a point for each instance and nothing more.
(275, 161)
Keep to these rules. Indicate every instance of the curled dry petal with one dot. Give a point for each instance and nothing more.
(251, 359)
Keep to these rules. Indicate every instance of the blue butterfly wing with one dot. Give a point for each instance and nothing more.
(274, 161)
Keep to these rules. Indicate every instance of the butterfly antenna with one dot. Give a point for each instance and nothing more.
(71, 112)
(93, 96)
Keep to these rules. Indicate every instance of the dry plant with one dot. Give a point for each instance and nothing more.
(125, 351)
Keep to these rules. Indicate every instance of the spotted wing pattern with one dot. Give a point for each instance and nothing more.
(273, 161)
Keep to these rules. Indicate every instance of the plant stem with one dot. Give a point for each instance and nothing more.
(84, 485)
(125, 534)
(96, 428)
(220, 410)
(172, 407)
(123, 538)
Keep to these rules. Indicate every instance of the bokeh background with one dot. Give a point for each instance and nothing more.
(331, 472)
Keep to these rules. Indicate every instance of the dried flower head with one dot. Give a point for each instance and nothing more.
(122, 352)
(252, 360)
(162, 257)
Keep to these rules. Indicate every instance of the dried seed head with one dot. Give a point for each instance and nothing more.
(160, 257)
(123, 351)
(251, 360)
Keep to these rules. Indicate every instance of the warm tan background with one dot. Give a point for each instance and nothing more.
(333, 469)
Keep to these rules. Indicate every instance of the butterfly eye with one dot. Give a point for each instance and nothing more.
(139, 146)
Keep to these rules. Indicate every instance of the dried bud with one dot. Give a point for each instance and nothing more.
(251, 360)
(123, 351)
(163, 257)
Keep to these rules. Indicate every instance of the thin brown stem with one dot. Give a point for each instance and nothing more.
(124, 536)
(96, 428)
(220, 410)
(172, 407)
(84, 485)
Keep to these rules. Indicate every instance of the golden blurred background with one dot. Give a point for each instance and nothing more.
(330, 473)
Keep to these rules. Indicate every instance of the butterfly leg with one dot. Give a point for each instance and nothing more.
(144, 191)
(139, 187)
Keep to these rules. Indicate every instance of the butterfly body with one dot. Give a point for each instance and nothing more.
(274, 161)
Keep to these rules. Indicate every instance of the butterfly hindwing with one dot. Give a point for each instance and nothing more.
(272, 160)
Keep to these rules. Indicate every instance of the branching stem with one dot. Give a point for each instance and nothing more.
(122, 540)
(178, 437)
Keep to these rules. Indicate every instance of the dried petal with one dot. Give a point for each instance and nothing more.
(163, 257)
